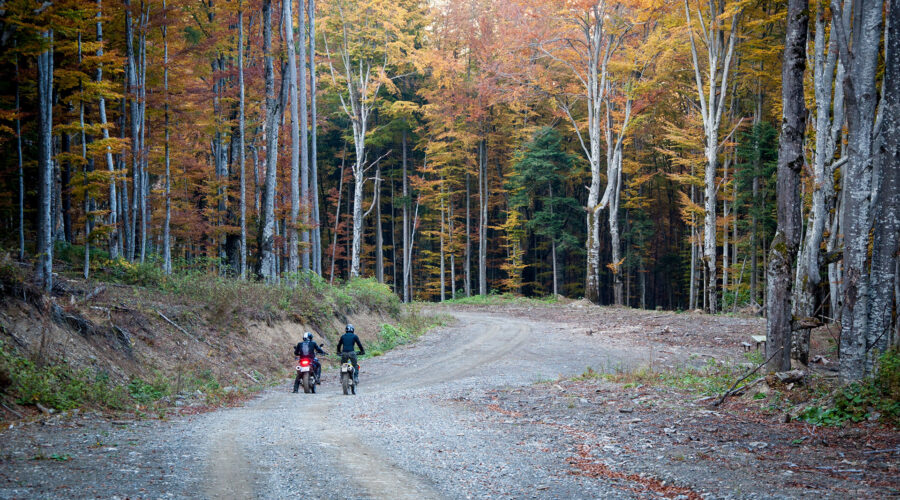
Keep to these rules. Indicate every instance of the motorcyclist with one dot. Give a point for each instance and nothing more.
(307, 349)
(345, 346)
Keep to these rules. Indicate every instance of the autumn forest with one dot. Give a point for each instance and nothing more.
(722, 155)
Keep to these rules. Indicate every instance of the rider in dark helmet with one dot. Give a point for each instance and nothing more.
(345, 347)
(308, 349)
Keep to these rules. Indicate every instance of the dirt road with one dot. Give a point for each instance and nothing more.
(456, 415)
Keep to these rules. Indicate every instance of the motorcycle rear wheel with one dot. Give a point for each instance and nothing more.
(345, 383)
(304, 379)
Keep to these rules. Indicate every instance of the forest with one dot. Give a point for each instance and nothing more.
(720, 155)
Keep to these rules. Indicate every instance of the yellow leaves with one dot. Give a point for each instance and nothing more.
(689, 209)
(614, 266)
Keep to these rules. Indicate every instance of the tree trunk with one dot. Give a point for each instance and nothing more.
(379, 234)
(790, 164)
(337, 215)
(885, 246)
(314, 170)
(451, 246)
(167, 243)
(406, 242)
(293, 243)
(113, 208)
(304, 138)
(44, 250)
(85, 168)
(468, 275)
(860, 97)
(484, 194)
(65, 189)
(267, 258)
(131, 83)
(712, 100)
(20, 164)
(443, 275)
(808, 267)
(241, 144)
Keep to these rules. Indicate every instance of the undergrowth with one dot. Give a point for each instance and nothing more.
(871, 399)
(59, 387)
(306, 297)
(410, 327)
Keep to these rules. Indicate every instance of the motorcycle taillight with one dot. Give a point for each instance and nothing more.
(304, 362)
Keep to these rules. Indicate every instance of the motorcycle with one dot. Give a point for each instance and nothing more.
(348, 380)
(305, 375)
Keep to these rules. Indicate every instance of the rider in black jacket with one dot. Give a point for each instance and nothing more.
(308, 349)
(345, 346)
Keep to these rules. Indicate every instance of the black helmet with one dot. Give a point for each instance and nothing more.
(349, 328)
(307, 336)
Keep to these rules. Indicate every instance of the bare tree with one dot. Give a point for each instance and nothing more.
(593, 44)
(711, 96)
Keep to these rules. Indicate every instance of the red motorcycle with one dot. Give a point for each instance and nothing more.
(305, 375)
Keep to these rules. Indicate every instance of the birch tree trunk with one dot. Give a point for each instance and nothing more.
(131, 81)
(483, 200)
(337, 215)
(863, 34)
(113, 208)
(379, 235)
(468, 275)
(293, 243)
(406, 242)
(314, 170)
(711, 96)
(241, 144)
(790, 163)
(304, 138)
(85, 167)
(45, 161)
(167, 238)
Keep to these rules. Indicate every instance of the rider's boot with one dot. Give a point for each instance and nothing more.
(296, 385)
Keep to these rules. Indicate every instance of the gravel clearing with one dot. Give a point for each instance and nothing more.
(479, 409)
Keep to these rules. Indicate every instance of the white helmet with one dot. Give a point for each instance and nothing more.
(307, 336)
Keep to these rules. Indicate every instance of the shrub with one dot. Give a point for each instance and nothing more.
(878, 396)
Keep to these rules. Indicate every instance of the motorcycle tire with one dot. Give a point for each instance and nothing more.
(304, 379)
(345, 383)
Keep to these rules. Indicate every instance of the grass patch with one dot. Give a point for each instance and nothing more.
(411, 326)
(711, 378)
(494, 299)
